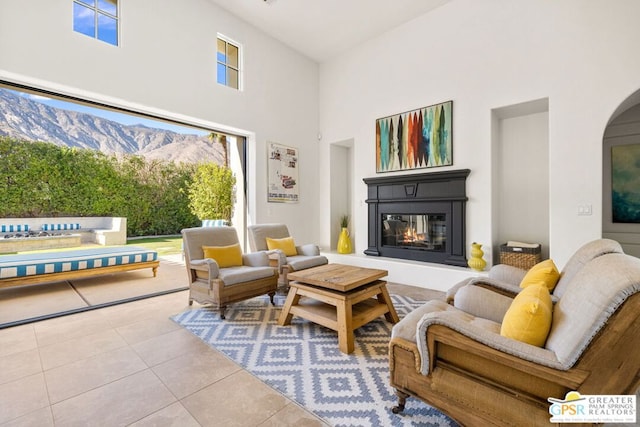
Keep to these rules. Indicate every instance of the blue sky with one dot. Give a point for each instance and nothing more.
(125, 119)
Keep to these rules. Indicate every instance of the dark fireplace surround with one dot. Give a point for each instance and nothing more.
(433, 203)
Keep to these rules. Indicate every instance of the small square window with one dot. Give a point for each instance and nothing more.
(228, 63)
(97, 19)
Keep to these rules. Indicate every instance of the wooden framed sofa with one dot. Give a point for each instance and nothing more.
(459, 362)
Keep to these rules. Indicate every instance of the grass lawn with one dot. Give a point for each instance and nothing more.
(166, 245)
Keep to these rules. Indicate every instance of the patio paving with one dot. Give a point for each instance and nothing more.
(20, 304)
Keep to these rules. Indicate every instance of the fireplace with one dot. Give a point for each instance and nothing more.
(418, 217)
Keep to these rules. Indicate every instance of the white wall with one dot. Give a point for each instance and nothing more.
(165, 65)
(580, 54)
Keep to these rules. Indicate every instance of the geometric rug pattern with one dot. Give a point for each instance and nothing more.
(303, 362)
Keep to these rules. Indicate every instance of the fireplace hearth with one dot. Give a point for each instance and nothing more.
(418, 217)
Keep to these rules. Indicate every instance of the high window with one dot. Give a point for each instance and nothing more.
(228, 59)
(97, 19)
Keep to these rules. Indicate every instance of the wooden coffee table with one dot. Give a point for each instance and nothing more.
(345, 298)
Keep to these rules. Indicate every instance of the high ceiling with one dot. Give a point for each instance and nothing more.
(321, 29)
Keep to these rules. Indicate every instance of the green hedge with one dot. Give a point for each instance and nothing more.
(40, 179)
(211, 192)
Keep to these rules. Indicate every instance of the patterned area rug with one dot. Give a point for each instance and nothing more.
(303, 362)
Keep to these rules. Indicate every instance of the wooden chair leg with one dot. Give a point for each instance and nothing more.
(402, 400)
(271, 295)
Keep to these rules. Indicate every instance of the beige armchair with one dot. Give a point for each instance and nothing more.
(229, 275)
(305, 256)
(461, 364)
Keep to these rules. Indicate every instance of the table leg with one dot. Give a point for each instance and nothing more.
(345, 326)
(292, 299)
(384, 298)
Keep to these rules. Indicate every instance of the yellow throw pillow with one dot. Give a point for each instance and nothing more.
(528, 319)
(225, 256)
(286, 245)
(545, 273)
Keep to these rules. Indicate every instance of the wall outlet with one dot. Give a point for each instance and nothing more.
(585, 210)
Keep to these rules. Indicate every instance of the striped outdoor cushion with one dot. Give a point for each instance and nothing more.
(214, 222)
(14, 228)
(60, 227)
(82, 259)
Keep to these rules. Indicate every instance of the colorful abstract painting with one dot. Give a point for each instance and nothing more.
(625, 183)
(416, 139)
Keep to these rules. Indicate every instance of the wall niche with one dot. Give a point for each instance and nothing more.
(520, 141)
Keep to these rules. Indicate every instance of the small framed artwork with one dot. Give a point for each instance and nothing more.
(625, 183)
(415, 139)
(283, 174)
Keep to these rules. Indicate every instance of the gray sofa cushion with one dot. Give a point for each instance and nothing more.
(581, 257)
(589, 299)
(482, 330)
(507, 273)
(406, 328)
(233, 275)
(301, 262)
(256, 259)
(308, 250)
(207, 236)
(482, 302)
(258, 235)
(501, 276)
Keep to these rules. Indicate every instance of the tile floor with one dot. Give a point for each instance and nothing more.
(25, 302)
(131, 365)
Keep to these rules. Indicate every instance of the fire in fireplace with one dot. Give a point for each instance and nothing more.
(426, 231)
(418, 217)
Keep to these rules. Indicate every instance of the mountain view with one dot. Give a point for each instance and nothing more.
(25, 118)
